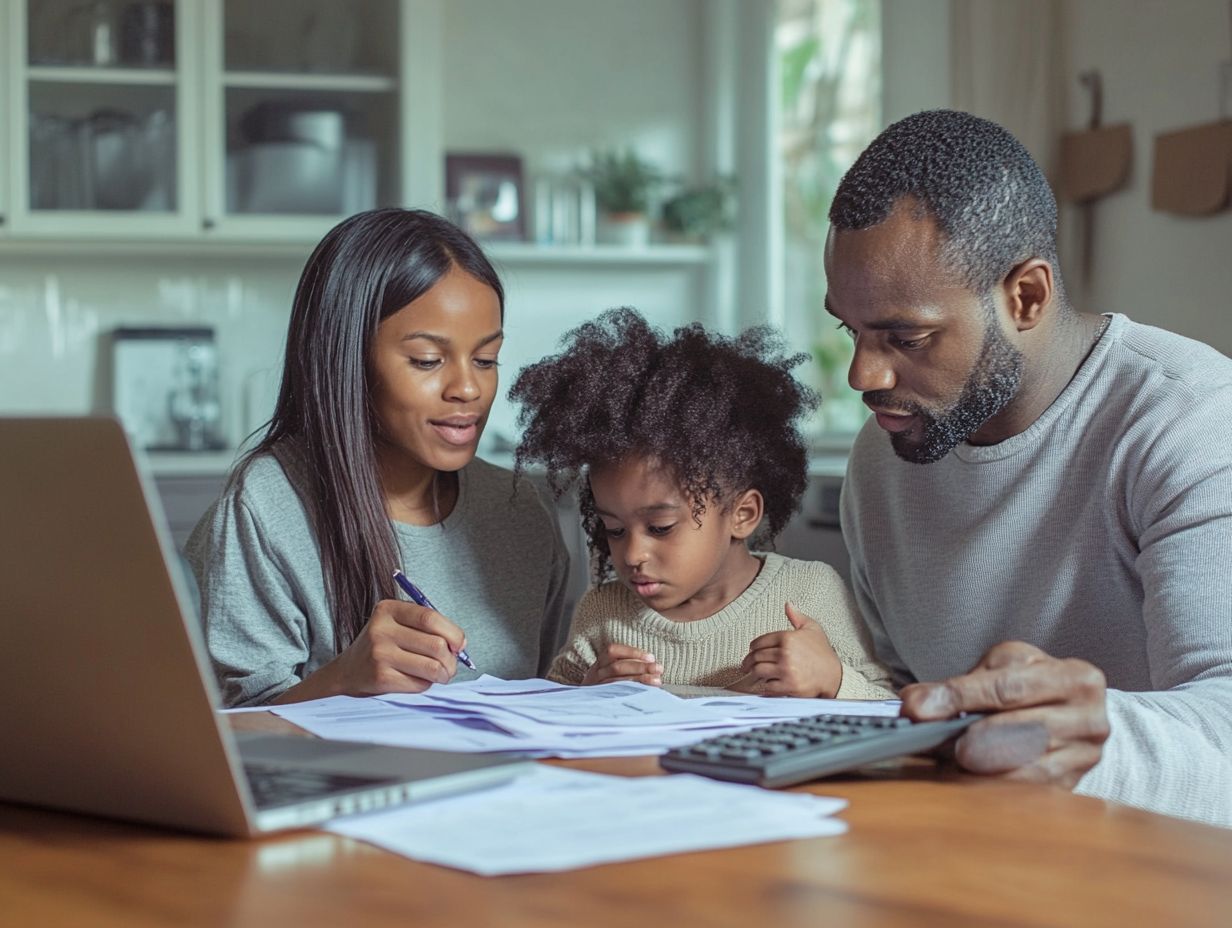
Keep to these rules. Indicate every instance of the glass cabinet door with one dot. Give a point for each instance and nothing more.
(102, 98)
(306, 109)
(6, 105)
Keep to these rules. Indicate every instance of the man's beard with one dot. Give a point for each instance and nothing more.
(994, 381)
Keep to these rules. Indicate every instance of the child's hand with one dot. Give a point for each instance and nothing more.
(621, 662)
(798, 662)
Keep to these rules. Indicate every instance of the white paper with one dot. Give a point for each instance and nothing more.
(536, 718)
(603, 707)
(553, 819)
(779, 708)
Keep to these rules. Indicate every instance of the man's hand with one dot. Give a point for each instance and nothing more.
(1047, 721)
(799, 661)
(621, 662)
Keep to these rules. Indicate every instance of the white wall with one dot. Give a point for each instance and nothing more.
(551, 80)
(1159, 61)
(915, 56)
(55, 311)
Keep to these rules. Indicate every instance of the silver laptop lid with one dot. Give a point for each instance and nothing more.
(106, 707)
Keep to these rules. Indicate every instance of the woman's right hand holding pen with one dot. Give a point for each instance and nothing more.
(403, 648)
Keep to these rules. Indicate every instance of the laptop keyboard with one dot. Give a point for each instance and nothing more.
(280, 786)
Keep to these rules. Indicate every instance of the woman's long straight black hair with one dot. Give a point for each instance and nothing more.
(365, 269)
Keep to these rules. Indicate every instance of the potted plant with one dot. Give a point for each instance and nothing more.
(696, 213)
(623, 183)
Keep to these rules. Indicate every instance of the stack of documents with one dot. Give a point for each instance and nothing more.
(538, 718)
(552, 819)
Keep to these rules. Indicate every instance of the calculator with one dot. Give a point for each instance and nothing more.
(789, 752)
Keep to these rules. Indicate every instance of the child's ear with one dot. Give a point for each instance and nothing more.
(746, 512)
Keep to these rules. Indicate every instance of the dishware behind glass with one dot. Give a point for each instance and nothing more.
(147, 34)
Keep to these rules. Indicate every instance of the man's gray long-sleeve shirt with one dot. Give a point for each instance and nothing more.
(1103, 532)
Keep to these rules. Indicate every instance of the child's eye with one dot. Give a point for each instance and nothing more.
(613, 532)
(660, 530)
(486, 363)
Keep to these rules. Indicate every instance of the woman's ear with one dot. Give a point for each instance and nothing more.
(745, 513)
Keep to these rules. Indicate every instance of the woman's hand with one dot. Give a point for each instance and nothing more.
(404, 648)
(796, 662)
(621, 662)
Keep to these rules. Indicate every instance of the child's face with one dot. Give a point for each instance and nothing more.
(675, 566)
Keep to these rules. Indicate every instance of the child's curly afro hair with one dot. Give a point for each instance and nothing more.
(720, 414)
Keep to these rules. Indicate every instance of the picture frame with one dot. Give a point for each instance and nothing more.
(486, 196)
(165, 387)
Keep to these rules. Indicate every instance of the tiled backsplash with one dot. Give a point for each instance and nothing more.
(55, 313)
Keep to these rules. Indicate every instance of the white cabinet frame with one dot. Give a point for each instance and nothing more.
(59, 224)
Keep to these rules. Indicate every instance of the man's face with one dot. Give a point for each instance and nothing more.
(931, 357)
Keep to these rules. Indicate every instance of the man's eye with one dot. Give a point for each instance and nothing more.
(910, 344)
(660, 530)
(844, 327)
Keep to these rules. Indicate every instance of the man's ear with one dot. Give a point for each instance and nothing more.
(1028, 292)
(745, 513)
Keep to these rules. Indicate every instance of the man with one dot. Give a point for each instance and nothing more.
(1052, 508)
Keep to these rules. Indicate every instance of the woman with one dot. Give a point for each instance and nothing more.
(368, 465)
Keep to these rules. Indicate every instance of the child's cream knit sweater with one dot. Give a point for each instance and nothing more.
(708, 652)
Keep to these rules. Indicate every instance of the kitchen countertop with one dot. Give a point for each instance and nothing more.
(190, 463)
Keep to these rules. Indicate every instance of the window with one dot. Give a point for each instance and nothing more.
(829, 66)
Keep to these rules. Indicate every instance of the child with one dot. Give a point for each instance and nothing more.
(685, 451)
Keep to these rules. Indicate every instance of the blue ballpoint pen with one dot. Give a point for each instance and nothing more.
(417, 595)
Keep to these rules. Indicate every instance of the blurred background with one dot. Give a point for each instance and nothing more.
(167, 165)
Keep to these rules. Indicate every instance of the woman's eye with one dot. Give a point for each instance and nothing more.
(613, 532)
(486, 363)
(424, 364)
(660, 530)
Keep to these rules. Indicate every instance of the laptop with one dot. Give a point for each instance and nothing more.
(107, 700)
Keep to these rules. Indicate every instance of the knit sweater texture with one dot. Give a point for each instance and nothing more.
(496, 565)
(708, 652)
(1101, 532)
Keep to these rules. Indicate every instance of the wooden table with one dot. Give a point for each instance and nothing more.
(926, 847)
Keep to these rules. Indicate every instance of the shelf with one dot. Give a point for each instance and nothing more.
(118, 245)
(92, 75)
(525, 253)
(335, 83)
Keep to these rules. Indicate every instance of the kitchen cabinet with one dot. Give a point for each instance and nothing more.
(814, 533)
(137, 126)
(202, 120)
(150, 125)
(103, 138)
(4, 134)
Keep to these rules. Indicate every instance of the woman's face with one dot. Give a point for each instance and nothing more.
(433, 368)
